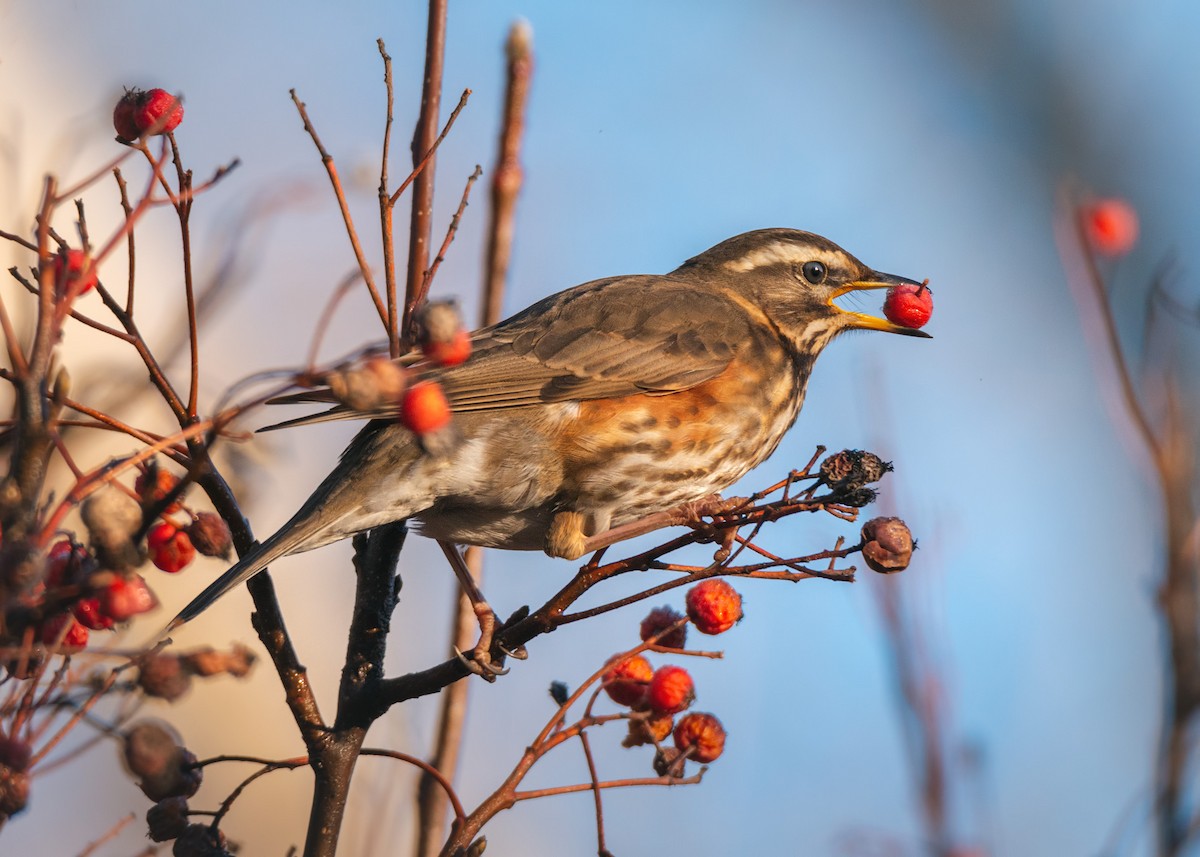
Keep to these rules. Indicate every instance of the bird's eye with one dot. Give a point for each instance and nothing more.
(814, 272)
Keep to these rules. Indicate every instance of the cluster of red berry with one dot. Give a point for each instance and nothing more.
(656, 696)
(94, 588)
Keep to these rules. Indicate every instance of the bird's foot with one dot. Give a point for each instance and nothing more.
(480, 660)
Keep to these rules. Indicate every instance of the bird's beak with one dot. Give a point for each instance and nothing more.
(874, 280)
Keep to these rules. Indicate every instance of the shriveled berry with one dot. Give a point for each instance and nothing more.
(210, 535)
(153, 753)
(839, 466)
(887, 544)
(14, 791)
(661, 618)
(207, 661)
(559, 692)
(167, 819)
(200, 840)
(157, 112)
(1111, 226)
(164, 676)
(170, 548)
(112, 519)
(62, 633)
(909, 305)
(626, 680)
(76, 273)
(670, 690)
(714, 606)
(424, 408)
(702, 734)
(126, 128)
(153, 485)
(15, 753)
(378, 382)
(125, 597)
(648, 730)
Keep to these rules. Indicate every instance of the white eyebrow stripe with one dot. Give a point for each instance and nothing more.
(782, 251)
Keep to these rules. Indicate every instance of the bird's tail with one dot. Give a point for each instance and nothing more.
(282, 543)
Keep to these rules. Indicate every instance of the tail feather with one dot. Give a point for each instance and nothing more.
(281, 544)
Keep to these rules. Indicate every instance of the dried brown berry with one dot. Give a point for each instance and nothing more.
(167, 819)
(237, 662)
(851, 469)
(14, 791)
(378, 382)
(112, 519)
(838, 466)
(714, 606)
(164, 676)
(210, 535)
(626, 680)
(200, 840)
(702, 734)
(859, 497)
(887, 544)
(661, 618)
(164, 768)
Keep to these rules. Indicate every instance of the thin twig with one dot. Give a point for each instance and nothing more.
(347, 220)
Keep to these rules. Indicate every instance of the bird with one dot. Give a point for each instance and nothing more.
(597, 406)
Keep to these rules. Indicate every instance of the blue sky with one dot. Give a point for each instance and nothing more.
(929, 139)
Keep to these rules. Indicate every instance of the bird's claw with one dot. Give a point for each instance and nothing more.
(480, 663)
(518, 652)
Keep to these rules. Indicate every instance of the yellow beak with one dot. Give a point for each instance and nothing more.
(869, 322)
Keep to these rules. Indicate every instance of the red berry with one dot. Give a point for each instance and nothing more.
(424, 408)
(69, 273)
(451, 352)
(123, 121)
(64, 562)
(658, 620)
(157, 112)
(909, 305)
(670, 690)
(701, 733)
(126, 597)
(714, 606)
(170, 548)
(626, 681)
(151, 492)
(64, 633)
(1111, 226)
(89, 614)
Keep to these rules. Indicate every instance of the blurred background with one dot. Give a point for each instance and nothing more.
(928, 138)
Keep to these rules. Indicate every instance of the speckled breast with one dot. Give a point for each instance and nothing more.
(625, 458)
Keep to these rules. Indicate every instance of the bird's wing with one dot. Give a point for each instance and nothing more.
(608, 338)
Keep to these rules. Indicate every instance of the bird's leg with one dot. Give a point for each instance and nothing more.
(480, 661)
(681, 515)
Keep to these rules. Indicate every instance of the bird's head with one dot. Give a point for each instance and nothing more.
(794, 279)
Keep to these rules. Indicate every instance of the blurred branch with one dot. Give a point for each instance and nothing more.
(506, 185)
